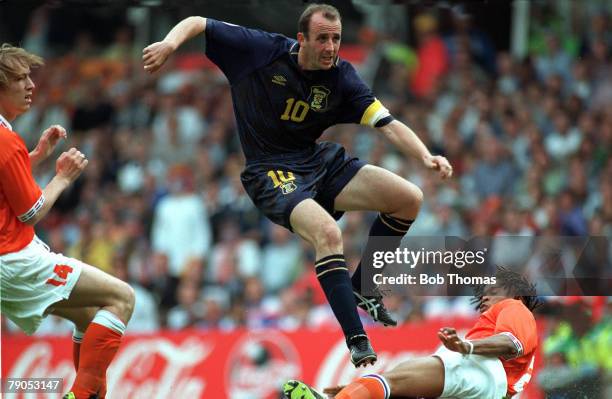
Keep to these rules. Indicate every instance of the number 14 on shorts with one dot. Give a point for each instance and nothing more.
(61, 274)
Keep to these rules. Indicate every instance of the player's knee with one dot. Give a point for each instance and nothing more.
(400, 381)
(88, 315)
(329, 237)
(394, 381)
(417, 197)
(130, 301)
(409, 202)
(85, 317)
(125, 300)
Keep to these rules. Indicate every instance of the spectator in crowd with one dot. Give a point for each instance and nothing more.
(181, 229)
(93, 244)
(432, 57)
(188, 310)
(577, 354)
(145, 318)
(281, 260)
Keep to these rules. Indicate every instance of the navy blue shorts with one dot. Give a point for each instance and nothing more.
(276, 185)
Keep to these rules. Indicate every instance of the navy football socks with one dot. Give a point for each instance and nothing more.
(385, 226)
(334, 278)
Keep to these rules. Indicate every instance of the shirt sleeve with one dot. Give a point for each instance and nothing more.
(517, 322)
(237, 50)
(360, 105)
(22, 193)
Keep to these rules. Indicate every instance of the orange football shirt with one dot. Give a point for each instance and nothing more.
(511, 317)
(20, 196)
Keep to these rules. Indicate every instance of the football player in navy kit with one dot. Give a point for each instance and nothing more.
(285, 94)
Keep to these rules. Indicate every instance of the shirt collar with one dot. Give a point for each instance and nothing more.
(5, 123)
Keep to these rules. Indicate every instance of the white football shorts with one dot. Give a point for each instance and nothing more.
(472, 376)
(33, 279)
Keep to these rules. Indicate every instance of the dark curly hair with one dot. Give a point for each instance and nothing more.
(515, 284)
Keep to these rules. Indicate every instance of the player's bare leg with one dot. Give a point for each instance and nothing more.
(81, 317)
(398, 201)
(113, 303)
(98, 289)
(420, 377)
(377, 189)
(311, 222)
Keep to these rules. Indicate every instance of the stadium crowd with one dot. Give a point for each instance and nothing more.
(161, 204)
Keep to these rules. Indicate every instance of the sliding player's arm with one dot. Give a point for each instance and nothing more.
(499, 345)
(156, 54)
(515, 335)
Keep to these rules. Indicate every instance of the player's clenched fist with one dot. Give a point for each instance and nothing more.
(70, 164)
(155, 55)
(439, 163)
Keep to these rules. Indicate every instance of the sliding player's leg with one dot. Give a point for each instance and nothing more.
(446, 374)
(420, 377)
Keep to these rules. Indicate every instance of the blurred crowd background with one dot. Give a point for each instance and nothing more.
(527, 125)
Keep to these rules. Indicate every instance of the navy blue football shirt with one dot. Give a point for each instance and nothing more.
(279, 107)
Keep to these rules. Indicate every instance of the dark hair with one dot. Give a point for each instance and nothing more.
(329, 12)
(515, 284)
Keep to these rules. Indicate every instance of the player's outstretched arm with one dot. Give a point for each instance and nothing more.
(68, 168)
(409, 143)
(499, 345)
(156, 54)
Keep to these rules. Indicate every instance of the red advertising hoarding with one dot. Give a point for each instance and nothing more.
(236, 365)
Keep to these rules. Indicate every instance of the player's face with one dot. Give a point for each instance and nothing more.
(492, 295)
(323, 42)
(16, 97)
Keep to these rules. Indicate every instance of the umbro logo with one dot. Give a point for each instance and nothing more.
(279, 80)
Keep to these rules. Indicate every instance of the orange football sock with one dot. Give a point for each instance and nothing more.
(371, 386)
(76, 350)
(98, 349)
(77, 339)
(102, 391)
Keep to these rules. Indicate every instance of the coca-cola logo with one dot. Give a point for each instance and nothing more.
(259, 364)
(157, 368)
(37, 362)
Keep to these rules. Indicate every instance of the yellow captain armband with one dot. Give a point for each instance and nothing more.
(375, 113)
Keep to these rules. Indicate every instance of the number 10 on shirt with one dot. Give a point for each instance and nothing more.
(295, 110)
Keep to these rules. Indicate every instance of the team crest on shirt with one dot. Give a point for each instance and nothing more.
(318, 98)
(279, 80)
